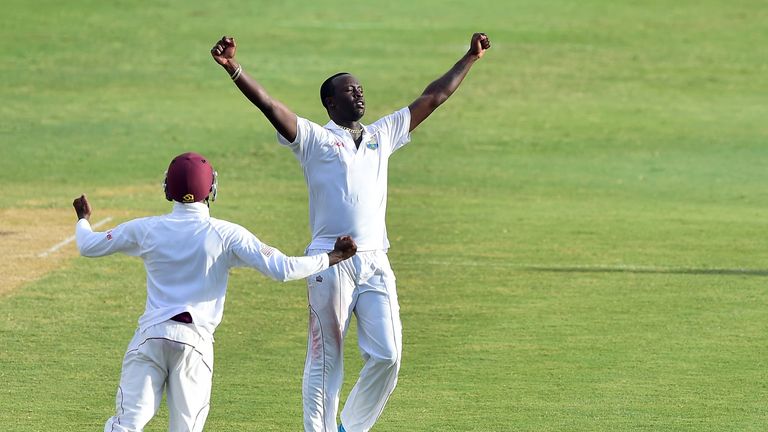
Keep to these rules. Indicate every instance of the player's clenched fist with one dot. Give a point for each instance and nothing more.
(344, 248)
(480, 43)
(82, 207)
(224, 50)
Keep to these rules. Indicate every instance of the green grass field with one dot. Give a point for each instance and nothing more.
(578, 234)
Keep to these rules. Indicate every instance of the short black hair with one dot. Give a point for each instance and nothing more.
(326, 89)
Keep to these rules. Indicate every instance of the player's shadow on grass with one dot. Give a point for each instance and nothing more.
(652, 270)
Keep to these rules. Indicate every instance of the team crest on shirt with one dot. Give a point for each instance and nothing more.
(319, 278)
(109, 235)
(372, 144)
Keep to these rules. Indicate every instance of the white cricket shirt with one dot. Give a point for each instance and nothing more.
(187, 255)
(348, 186)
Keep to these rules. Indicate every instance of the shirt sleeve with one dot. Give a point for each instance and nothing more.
(123, 238)
(308, 135)
(249, 251)
(396, 127)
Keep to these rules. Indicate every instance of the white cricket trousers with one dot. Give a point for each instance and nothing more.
(169, 356)
(363, 285)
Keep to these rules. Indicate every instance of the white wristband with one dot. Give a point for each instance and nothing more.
(236, 74)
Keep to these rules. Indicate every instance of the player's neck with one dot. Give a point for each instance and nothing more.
(352, 127)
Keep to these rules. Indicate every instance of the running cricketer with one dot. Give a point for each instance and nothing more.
(345, 167)
(187, 255)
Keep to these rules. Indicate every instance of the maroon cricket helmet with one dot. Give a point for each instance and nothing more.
(190, 178)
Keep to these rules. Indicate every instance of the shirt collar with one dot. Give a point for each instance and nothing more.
(198, 208)
(333, 126)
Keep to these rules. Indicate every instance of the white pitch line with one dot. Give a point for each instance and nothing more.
(68, 240)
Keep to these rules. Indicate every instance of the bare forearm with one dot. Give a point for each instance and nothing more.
(440, 90)
(335, 257)
(443, 87)
(250, 88)
(272, 109)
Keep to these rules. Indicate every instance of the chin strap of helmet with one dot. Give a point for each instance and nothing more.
(214, 189)
(165, 186)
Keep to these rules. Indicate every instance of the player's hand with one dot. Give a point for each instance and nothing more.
(224, 51)
(479, 44)
(82, 207)
(344, 248)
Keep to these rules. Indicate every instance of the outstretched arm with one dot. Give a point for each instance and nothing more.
(282, 118)
(273, 263)
(95, 244)
(442, 88)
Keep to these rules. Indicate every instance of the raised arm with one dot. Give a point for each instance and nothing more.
(95, 244)
(442, 88)
(282, 118)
